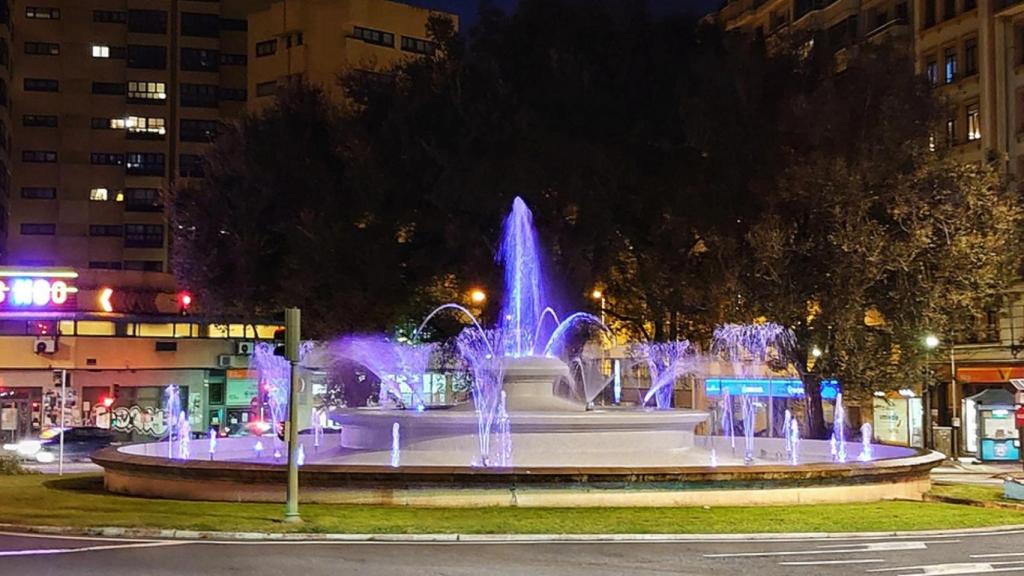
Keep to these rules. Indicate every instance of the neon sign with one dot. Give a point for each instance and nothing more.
(780, 388)
(37, 289)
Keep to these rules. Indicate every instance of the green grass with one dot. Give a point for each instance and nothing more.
(976, 492)
(79, 501)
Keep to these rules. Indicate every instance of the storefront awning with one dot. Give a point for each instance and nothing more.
(988, 374)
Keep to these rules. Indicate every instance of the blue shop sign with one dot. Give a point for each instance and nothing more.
(780, 388)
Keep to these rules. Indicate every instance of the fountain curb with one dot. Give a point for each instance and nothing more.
(213, 536)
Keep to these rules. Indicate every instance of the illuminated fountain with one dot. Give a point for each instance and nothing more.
(529, 433)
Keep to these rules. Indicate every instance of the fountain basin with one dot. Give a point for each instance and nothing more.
(327, 478)
(541, 439)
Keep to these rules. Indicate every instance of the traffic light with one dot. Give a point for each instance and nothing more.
(279, 338)
(184, 303)
(107, 402)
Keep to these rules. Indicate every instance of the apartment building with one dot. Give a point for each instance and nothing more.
(108, 103)
(319, 39)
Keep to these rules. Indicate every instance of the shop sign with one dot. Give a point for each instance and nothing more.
(37, 290)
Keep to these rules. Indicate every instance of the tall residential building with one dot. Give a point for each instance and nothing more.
(108, 102)
(318, 39)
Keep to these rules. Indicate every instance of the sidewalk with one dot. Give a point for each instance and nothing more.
(968, 471)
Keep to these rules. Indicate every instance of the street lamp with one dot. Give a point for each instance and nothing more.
(598, 295)
(477, 296)
(931, 342)
(816, 352)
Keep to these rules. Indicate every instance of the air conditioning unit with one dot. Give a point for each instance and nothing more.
(44, 346)
(224, 361)
(244, 348)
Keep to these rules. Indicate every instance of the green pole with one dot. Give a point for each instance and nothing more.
(291, 345)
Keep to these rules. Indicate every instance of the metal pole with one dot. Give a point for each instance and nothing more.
(956, 402)
(63, 400)
(926, 405)
(291, 345)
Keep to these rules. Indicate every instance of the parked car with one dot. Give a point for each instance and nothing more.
(79, 444)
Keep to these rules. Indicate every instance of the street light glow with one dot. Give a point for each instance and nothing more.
(931, 341)
(816, 352)
(478, 296)
(597, 294)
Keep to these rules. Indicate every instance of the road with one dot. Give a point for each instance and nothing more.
(912, 556)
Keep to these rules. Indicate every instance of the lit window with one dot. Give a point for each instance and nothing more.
(119, 197)
(147, 90)
(144, 125)
(100, 51)
(973, 122)
(99, 194)
(117, 123)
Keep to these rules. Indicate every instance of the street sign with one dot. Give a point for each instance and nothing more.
(1019, 416)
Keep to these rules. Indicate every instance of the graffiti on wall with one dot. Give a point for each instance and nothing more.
(139, 420)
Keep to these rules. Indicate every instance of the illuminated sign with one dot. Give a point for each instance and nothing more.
(781, 388)
(37, 289)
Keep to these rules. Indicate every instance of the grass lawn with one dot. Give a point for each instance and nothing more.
(974, 492)
(79, 500)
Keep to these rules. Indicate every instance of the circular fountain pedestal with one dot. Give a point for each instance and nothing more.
(530, 382)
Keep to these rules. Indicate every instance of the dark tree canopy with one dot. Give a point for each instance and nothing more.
(694, 176)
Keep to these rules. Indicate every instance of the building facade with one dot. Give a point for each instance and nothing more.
(319, 39)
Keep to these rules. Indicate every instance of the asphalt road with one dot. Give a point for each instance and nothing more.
(914, 556)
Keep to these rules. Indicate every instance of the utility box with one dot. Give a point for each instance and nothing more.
(942, 437)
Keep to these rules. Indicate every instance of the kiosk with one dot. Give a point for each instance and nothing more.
(989, 429)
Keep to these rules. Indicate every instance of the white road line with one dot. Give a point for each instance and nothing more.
(869, 547)
(833, 562)
(1000, 555)
(922, 541)
(957, 568)
(51, 551)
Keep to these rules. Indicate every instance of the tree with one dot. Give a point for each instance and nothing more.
(277, 221)
(870, 238)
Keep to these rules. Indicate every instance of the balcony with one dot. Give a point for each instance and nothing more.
(897, 28)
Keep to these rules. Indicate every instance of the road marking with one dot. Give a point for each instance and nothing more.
(52, 551)
(861, 548)
(959, 568)
(1000, 555)
(71, 537)
(833, 562)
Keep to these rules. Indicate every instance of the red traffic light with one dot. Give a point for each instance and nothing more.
(108, 402)
(185, 299)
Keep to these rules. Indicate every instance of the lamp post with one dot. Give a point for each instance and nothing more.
(291, 346)
(931, 342)
(598, 295)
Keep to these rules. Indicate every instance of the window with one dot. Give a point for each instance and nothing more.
(266, 48)
(950, 59)
(970, 57)
(948, 9)
(266, 88)
(147, 21)
(107, 123)
(973, 122)
(104, 51)
(109, 16)
(143, 236)
(147, 266)
(190, 166)
(144, 126)
(232, 59)
(951, 132)
(104, 265)
(99, 194)
(420, 46)
(38, 193)
(199, 95)
(929, 13)
(145, 164)
(38, 229)
(41, 85)
(147, 57)
(233, 94)
(293, 40)
(109, 88)
(201, 25)
(42, 48)
(45, 156)
(39, 121)
(931, 70)
(155, 92)
(199, 60)
(42, 13)
(106, 230)
(234, 24)
(198, 130)
(371, 36)
(142, 200)
(106, 159)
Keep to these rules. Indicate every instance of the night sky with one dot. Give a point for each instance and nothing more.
(467, 9)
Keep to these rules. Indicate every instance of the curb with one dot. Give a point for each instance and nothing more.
(214, 536)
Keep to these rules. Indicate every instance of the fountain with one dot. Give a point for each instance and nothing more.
(524, 398)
